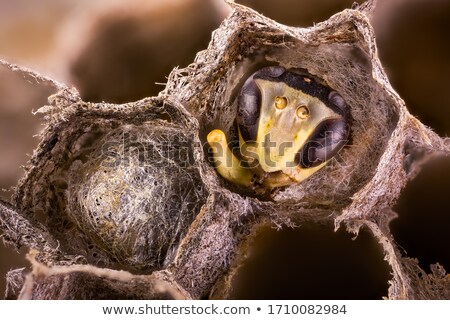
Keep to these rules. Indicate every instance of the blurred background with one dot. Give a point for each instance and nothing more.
(120, 51)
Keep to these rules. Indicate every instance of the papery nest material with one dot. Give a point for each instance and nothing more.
(70, 221)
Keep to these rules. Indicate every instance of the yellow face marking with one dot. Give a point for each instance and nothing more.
(268, 125)
(282, 134)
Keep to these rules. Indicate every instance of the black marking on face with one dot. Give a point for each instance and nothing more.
(301, 80)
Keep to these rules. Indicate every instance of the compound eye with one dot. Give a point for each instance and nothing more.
(302, 112)
(280, 102)
(326, 141)
(249, 101)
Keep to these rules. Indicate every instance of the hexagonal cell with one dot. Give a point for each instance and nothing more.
(346, 70)
(421, 229)
(312, 262)
(415, 74)
(136, 193)
(337, 55)
(116, 188)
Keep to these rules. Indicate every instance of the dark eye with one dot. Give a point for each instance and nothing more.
(325, 142)
(337, 101)
(329, 137)
(249, 101)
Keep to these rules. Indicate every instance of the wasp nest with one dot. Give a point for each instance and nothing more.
(131, 186)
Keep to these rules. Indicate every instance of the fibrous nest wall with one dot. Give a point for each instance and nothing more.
(129, 187)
